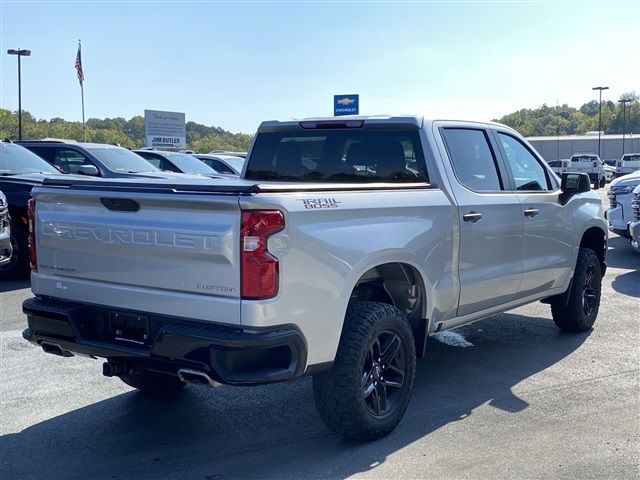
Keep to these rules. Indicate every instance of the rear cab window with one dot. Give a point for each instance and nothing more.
(351, 155)
(473, 159)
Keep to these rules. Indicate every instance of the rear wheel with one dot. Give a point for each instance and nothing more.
(366, 392)
(152, 382)
(578, 311)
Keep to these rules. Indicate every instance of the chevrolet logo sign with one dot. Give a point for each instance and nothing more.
(346, 101)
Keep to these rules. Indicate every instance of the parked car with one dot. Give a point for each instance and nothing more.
(609, 172)
(620, 194)
(634, 226)
(628, 163)
(176, 162)
(311, 264)
(224, 164)
(559, 166)
(5, 232)
(93, 159)
(589, 163)
(20, 170)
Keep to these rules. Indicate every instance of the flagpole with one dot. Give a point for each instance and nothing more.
(84, 130)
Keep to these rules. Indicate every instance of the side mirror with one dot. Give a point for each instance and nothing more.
(573, 183)
(90, 170)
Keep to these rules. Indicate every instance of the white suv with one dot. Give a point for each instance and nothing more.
(634, 227)
(620, 194)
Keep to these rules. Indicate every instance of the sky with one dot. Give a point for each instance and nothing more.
(235, 64)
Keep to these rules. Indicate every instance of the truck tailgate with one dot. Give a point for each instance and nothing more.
(171, 253)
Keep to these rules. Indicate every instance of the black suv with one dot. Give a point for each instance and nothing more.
(96, 159)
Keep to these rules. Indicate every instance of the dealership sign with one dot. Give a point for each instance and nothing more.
(164, 129)
(346, 105)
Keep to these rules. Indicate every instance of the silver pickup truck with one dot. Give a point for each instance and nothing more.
(344, 244)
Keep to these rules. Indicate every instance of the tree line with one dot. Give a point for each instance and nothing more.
(566, 120)
(126, 133)
(542, 121)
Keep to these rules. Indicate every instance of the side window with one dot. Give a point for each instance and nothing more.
(220, 167)
(153, 160)
(472, 158)
(167, 166)
(529, 175)
(70, 161)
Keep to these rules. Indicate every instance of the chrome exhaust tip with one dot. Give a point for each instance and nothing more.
(54, 349)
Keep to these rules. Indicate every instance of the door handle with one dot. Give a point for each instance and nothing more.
(472, 217)
(531, 212)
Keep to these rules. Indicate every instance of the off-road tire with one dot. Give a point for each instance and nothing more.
(18, 267)
(578, 311)
(152, 382)
(340, 393)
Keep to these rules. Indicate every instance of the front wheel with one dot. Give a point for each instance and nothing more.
(603, 181)
(578, 311)
(366, 392)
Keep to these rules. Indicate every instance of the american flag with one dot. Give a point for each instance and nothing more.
(79, 66)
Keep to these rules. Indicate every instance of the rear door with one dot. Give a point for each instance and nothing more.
(548, 225)
(490, 220)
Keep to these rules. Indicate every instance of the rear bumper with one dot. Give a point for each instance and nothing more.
(229, 355)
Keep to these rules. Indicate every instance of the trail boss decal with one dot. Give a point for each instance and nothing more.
(314, 203)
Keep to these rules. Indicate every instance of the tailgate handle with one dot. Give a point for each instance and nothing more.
(120, 204)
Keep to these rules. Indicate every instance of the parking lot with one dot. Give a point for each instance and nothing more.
(509, 397)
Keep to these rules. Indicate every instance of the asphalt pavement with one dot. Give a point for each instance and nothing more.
(506, 397)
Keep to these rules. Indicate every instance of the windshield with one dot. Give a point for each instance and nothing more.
(189, 164)
(120, 159)
(15, 160)
(635, 157)
(340, 155)
(584, 158)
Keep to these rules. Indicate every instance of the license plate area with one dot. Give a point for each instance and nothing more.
(129, 328)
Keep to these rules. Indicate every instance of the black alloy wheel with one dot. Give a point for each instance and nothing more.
(383, 373)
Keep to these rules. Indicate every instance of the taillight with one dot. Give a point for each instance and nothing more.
(259, 268)
(31, 242)
(595, 164)
(564, 165)
(619, 164)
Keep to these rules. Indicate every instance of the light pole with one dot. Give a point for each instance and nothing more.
(624, 119)
(20, 53)
(600, 115)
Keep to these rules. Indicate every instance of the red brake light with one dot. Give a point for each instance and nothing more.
(259, 268)
(31, 241)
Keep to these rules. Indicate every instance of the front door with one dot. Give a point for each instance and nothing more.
(548, 225)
